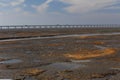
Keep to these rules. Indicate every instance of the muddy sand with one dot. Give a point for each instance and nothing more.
(60, 54)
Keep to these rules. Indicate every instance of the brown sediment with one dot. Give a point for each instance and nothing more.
(84, 37)
(28, 33)
(1, 59)
(8, 42)
(103, 75)
(115, 59)
(85, 54)
(55, 44)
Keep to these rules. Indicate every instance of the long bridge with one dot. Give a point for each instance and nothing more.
(59, 26)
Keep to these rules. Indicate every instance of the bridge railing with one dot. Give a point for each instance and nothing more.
(59, 26)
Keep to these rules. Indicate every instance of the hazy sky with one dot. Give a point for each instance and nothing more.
(14, 12)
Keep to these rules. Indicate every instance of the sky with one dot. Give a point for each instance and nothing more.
(52, 12)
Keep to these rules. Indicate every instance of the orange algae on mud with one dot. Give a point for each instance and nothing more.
(86, 54)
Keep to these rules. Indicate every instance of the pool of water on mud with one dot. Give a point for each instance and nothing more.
(11, 61)
(65, 66)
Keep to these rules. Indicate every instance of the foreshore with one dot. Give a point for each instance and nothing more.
(60, 54)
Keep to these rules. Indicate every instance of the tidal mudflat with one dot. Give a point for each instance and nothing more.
(60, 54)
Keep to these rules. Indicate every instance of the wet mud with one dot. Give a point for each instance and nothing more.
(60, 54)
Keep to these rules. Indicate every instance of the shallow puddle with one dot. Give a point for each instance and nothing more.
(100, 47)
(4, 56)
(116, 68)
(30, 78)
(65, 65)
(36, 60)
(12, 61)
(81, 61)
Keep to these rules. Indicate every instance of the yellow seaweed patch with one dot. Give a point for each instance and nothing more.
(33, 71)
(99, 42)
(91, 37)
(85, 54)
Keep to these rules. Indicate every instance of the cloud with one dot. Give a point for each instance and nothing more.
(83, 6)
(23, 14)
(12, 3)
(3, 4)
(43, 7)
(18, 9)
(17, 2)
(12, 7)
(46, 19)
(114, 7)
